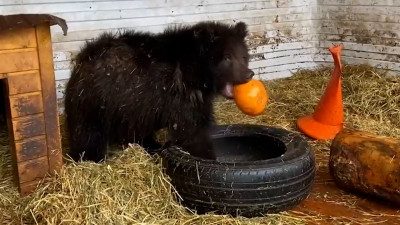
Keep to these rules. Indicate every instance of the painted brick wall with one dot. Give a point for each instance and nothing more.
(368, 29)
(286, 34)
(285, 20)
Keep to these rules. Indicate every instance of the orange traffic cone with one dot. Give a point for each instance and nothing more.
(327, 119)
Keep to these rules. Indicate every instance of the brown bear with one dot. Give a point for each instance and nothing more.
(126, 86)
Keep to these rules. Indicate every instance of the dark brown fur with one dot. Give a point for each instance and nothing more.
(125, 87)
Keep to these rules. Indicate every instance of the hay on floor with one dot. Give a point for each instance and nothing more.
(131, 188)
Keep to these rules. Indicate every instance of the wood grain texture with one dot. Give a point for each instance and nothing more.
(31, 148)
(28, 187)
(53, 137)
(28, 127)
(23, 82)
(26, 104)
(34, 169)
(366, 163)
(15, 39)
(18, 60)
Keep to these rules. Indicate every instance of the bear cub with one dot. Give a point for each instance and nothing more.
(124, 87)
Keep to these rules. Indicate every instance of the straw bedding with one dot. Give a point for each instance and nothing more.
(130, 187)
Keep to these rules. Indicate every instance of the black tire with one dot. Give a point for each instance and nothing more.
(246, 188)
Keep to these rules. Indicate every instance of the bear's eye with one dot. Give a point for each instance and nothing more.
(227, 58)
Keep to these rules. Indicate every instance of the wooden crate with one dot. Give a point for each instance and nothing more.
(26, 67)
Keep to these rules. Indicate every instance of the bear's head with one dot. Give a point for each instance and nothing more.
(226, 54)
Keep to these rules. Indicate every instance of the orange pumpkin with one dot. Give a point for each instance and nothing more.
(251, 98)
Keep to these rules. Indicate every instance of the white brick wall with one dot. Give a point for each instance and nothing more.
(368, 29)
(287, 34)
(88, 18)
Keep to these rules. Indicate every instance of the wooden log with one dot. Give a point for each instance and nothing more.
(366, 163)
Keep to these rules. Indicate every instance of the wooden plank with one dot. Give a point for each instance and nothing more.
(75, 46)
(285, 47)
(15, 39)
(28, 149)
(26, 104)
(24, 2)
(109, 5)
(84, 34)
(192, 18)
(356, 25)
(31, 170)
(28, 187)
(18, 60)
(23, 82)
(154, 12)
(53, 136)
(390, 50)
(359, 2)
(375, 9)
(290, 67)
(28, 127)
(360, 17)
(3, 75)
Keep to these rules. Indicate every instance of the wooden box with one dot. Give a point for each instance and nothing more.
(26, 67)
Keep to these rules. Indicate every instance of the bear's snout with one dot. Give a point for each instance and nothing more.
(250, 74)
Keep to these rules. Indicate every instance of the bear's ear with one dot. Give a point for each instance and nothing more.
(241, 29)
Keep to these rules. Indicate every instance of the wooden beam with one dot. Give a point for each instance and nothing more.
(46, 66)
